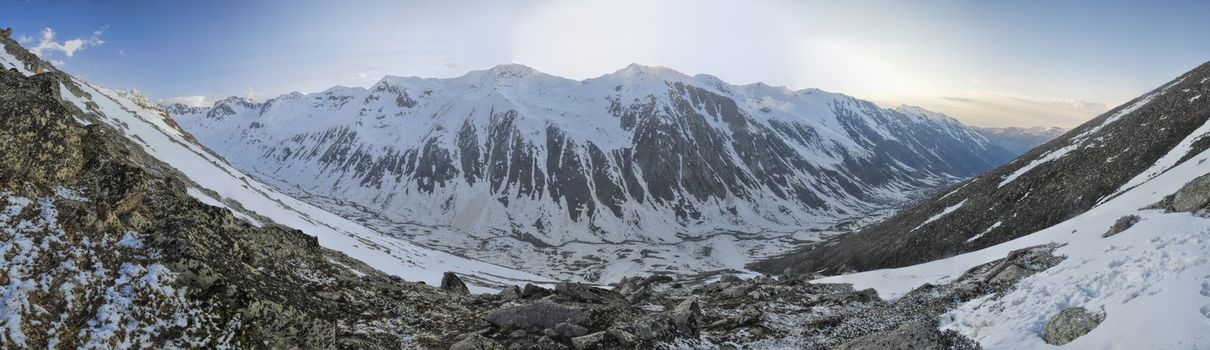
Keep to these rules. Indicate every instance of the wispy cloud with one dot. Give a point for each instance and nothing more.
(991, 109)
(191, 101)
(48, 45)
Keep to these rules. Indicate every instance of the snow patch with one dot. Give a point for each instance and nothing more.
(944, 212)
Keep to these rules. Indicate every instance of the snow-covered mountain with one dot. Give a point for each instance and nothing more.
(1020, 140)
(219, 184)
(509, 159)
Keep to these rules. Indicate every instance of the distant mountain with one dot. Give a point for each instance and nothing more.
(508, 160)
(1020, 140)
(1085, 167)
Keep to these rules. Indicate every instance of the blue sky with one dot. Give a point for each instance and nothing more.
(996, 63)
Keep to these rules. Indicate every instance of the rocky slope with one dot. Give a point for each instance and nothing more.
(1020, 140)
(520, 168)
(1107, 156)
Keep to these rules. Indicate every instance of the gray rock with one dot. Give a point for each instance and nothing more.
(476, 342)
(625, 338)
(654, 327)
(567, 330)
(1069, 324)
(588, 294)
(1122, 224)
(540, 314)
(687, 316)
(1009, 275)
(1193, 196)
(533, 292)
(911, 335)
(451, 283)
(510, 293)
(591, 341)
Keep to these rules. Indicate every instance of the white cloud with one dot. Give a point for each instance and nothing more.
(254, 94)
(191, 101)
(24, 39)
(990, 109)
(47, 44)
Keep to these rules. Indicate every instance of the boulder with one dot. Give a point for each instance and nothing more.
(568, 330)
(538, 315)
(686, 317)
(588, 294)
(1069, 324)
(451, 283)
(510, 293)
(533, 292)
(1122, 224)
(1193, 196)
(624, 338)
(591, 341)
(910, 335)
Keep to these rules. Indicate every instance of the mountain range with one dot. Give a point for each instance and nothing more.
(510, 164)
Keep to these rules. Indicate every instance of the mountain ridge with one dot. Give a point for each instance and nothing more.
(644, 154)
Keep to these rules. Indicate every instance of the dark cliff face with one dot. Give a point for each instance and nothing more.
(1045, 186)
(688, 151)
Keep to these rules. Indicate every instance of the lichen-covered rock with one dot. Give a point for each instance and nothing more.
(686, 317)
(1193, 196)
(451, 283)
(537, 315)
(1122, 224)
(1069, 324)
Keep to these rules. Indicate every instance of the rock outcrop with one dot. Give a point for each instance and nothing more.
(1069, 324)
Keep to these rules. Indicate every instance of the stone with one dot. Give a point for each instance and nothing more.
(1122, 224)
(567, 330)
(591, 341)
(625, 338)
(451, 283)
(686, 317)
(510, 293)
(541, 315)
(476, 342)
(1069, 324)
(588, 294)
(1193, 196)
(910, 335)
(533, 292)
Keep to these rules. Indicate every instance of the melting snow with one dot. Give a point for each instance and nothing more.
(946, 211)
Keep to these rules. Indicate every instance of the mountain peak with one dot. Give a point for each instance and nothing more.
(510, 71)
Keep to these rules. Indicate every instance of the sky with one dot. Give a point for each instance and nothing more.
(987, 63)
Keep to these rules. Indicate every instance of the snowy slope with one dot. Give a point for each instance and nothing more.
(1090, 165)
(159, 136)
(502, 164)
(1151, 281)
